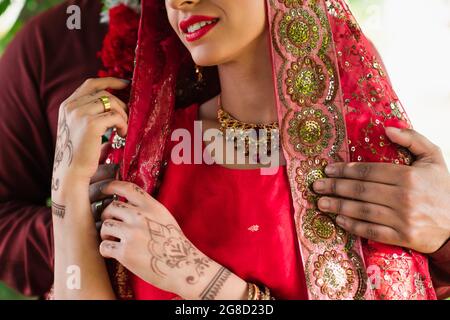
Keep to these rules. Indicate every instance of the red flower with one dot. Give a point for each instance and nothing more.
(119, 45)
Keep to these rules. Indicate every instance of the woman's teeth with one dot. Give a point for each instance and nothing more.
(198, 26)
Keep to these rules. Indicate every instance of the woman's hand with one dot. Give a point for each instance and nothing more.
(144, 236)
(393, 204)
(83, 119)
(82, 122)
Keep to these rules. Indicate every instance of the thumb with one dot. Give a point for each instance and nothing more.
(420, 146)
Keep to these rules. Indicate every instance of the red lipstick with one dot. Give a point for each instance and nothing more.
(195, 27)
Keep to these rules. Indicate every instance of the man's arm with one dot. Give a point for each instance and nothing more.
(25, 167)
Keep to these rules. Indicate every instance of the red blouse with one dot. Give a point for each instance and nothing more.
(240, 218)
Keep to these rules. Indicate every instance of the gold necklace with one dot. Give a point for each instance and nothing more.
(263, 137)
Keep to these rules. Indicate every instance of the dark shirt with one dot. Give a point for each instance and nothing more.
(42, 66)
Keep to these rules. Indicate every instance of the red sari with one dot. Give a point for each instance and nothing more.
(239, 218)
(252, 232)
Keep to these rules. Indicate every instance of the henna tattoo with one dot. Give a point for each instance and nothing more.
(55, 184)
(109, 224)
(58, 210)
(168, 246)
(64, 146)
(139, 190)
(64, 143)
(215, 285)
(119, 205)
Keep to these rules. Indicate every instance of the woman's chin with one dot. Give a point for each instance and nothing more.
(206, 57)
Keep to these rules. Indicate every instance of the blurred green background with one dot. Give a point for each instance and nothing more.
(13, 14)
(393, 27)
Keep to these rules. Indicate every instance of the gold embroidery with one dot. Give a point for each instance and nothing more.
(310, 131)
(396, 277)
(378, 67)
(292, 3)
(299, 32)
(326, 29)
(309, 171)
(419, 283)
(395, 110)
(313, 127)
(361, 287)
(339, 132)
(333, 274)
(404, 156)
(321, 229)
(333, 83)
(305, 82)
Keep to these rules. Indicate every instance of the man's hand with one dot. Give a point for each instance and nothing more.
(393, 204)
(104, 175)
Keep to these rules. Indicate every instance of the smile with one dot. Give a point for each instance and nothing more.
(196, 27)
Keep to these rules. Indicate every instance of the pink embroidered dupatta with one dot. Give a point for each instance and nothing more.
(333, 100)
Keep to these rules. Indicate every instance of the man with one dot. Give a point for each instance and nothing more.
(45, 64)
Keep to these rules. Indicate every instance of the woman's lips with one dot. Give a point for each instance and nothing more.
(196, 27)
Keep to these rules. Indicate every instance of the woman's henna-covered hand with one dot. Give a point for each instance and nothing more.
(144, 236)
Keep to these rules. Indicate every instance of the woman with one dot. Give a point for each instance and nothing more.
(237, 234)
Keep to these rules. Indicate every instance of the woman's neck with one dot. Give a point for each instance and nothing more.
(247, 85)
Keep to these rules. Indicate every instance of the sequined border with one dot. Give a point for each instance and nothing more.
(313, 134)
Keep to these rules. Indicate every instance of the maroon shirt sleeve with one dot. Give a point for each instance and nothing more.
(42, 66)
(440, 271)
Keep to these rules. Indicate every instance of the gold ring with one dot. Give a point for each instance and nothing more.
(106, 103)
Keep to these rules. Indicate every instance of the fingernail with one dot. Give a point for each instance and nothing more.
(102, 186)
(319, 185)
(330, 170)
(324, 204)
(393, 129)
(126, 81)
(340, 220)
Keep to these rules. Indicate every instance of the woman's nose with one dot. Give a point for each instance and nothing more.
(182, 4)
